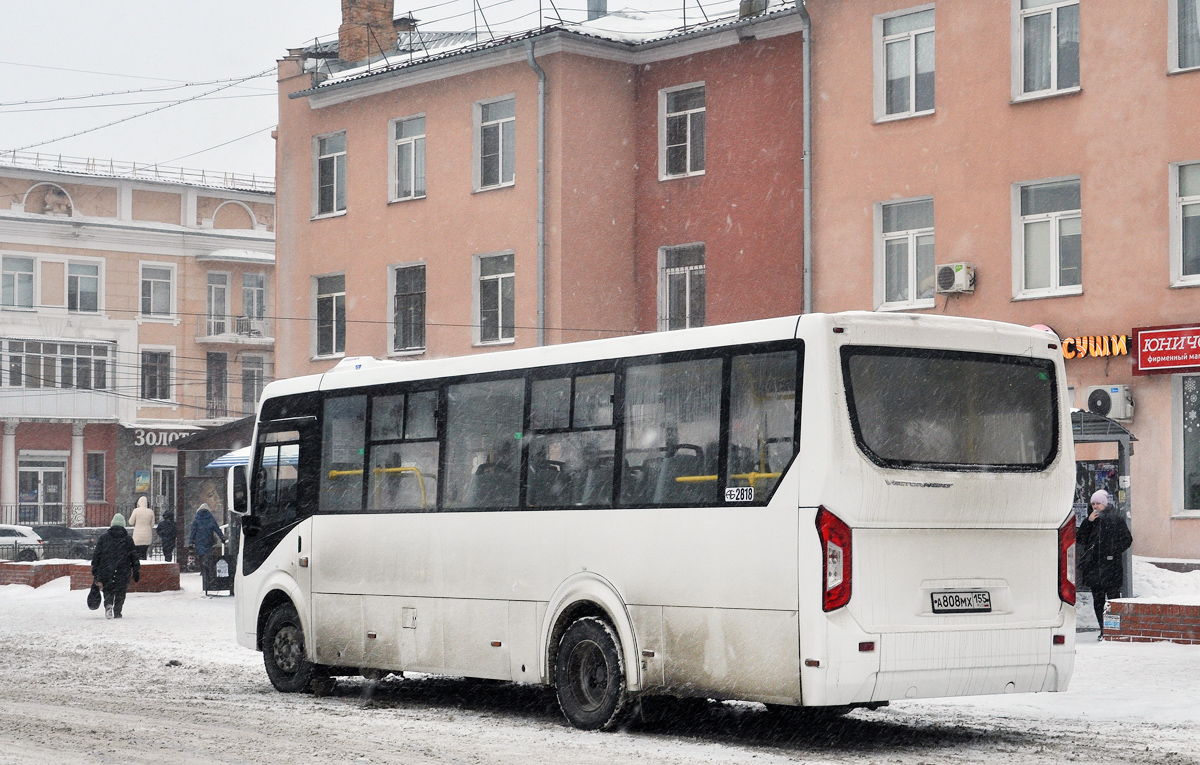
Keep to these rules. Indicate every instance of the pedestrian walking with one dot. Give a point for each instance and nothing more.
(114, 562)
(204, 527)
(142, 520)
(1100, 541)
(167, 529)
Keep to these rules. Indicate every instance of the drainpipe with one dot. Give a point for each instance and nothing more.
(808, 206)
(541, 195)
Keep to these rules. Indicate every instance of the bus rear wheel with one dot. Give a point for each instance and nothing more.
(284, 653)
(589, 674)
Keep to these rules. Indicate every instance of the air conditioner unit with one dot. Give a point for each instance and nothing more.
(1113, 401)
(956, 277)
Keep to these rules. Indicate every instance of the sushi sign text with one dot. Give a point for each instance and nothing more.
(1095, 345)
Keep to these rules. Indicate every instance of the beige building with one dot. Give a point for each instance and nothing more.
(134, 308)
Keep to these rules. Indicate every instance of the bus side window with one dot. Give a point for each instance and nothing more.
(342, 444)
(275, 500)
(672, 433)
(571, 445)
(762, 417)
(483, 444)
(404, 452)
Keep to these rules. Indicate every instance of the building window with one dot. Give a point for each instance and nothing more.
(156, 291)
(1191, 442)
(217, 385)
(681, 131)
(1050, 237)
(37, 364)
(681, 287)
(410, 158)
(95, 476)
(156, 375)
(1185, 265)
(16, 283)
(331, 174)
(497, 143)
(253, 381)
(331, 315)
(495, 304)
(83, 287)
(1185, 34)
(1049, 35)
(218, 302)
(905, 255)
(904, 56)
(409, 309)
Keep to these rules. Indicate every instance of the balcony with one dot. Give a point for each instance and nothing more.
(64, 403)
(235, 330)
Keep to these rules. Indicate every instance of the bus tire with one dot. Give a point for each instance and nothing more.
(589, 674)
(284, 654)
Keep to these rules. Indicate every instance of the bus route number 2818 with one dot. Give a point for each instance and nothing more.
(739, 494)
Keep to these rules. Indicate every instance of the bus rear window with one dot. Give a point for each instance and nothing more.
(951, 410)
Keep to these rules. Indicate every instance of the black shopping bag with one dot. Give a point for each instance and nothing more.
(94, 596)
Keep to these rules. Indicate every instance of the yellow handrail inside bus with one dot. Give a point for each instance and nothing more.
(751, 477)
(402, 469)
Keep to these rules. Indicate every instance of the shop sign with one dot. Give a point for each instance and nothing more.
(144, 437)
(1095, 345)
(1162, 350)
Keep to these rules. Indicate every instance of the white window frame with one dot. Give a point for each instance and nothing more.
(265, 295)
(75, 260)
(662, 131)
(315, 323)
(172, 352)
(880, 248)
(1018, 51)
(391, 309)
(1173, 39)
(880, 47)
(209, 318)
(664, 292)
(36, 282)
(476, 309)
(1018, 243)
(477, 138)
(262, 368)
(394, 160)
(1178, 279)
(1178, 509)
(317, 156)
(173, 317)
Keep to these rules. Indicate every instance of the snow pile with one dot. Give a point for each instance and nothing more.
(1158, 585)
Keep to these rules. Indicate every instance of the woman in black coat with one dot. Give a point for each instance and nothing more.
(1099, 543)
(114, 561)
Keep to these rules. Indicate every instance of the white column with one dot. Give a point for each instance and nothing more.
(8, 470)
(78, 497)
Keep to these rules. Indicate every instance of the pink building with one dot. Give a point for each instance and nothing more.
(452, 195)
(1053, 146)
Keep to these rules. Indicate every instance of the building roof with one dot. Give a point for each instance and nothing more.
(627, 29)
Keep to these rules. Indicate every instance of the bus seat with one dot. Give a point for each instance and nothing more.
(493, 486)
(669, 491)
(549, 485)
(596, 487)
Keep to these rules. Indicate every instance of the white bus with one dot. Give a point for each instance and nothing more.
(818, 511)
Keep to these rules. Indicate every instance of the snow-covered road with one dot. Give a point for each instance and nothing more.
(168, 683)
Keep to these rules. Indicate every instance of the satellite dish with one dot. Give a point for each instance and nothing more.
(1099, 402)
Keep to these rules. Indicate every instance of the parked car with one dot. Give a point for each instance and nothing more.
(67, 542)
(20, 543)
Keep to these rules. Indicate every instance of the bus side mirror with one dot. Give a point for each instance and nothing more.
(239, 492)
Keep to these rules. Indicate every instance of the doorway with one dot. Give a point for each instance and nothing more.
(40, 495)
(164, 490)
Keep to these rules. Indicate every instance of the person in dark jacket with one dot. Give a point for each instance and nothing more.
(114, 561)
(204, 526)
(1099, 542)
(167, 529)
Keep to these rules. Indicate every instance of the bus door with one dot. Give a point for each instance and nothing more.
(280, 499)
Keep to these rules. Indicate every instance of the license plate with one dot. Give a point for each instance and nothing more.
(975, 602)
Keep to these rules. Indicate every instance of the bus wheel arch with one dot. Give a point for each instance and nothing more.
(583, 595)
(285, 650)
(271, 601)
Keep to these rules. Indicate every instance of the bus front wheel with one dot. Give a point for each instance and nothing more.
(589, 674)
(284, 655)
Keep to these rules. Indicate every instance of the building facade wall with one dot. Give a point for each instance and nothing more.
(1119, 134)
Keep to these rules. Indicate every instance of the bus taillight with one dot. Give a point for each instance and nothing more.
(835, 544)
(1066, 561)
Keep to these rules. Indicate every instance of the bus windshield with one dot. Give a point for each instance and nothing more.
(951, 410)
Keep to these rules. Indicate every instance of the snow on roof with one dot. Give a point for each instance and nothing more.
(628, 27)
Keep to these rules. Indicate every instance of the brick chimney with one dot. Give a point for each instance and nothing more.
(366, 29)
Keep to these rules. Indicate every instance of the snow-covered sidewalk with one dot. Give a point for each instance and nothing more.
(169, 682)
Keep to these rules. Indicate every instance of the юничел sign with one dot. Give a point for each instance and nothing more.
(1163, 350)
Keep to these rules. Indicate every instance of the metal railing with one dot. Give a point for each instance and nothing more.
(234, 329)
(49, 514)
(151, 172)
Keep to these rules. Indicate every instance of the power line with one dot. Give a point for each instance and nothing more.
(210, 148)
(142, 114)
(126, 103)
(133, 91)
